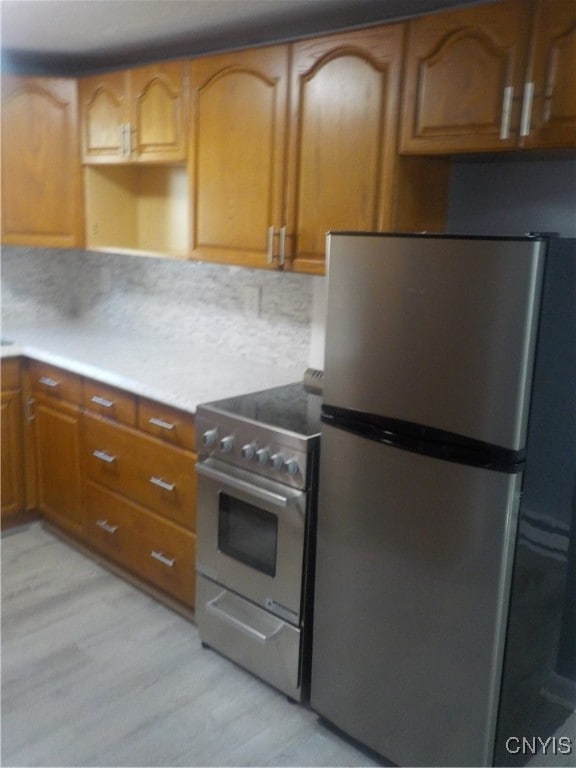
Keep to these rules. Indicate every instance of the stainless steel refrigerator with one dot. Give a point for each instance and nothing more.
(446, 498)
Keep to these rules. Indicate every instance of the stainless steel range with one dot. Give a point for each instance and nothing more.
(257, 470)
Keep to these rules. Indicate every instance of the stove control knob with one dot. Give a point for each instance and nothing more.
(227, 443)
(277, 461)
(209, 438)
(291, 467)
(263, 455)
(248, 451)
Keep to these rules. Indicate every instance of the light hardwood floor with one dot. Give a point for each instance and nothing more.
(96, 673)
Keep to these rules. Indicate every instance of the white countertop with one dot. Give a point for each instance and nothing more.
(173, 373)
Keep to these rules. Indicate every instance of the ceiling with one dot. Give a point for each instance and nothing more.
(86, 35)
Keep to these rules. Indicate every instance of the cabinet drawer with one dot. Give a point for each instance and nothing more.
(110, 402)
(55, 383)
(10, 373)
(155, 549)
(156, 475)
(109, 524)
(166, 423)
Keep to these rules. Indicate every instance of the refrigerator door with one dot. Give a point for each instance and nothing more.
(412, 580)
(438, 331)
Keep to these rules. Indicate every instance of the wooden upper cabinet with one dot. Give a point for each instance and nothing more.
(464, 79)
(343, 138)
(105, 112)
(137, 115)
(41, 186)
(550, 105)
(237, 153)
(159, 111)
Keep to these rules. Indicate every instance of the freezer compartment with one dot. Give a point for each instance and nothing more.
(253, 638)
(434, 331)
(412, 582)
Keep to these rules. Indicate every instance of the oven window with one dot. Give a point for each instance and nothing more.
(248, 534)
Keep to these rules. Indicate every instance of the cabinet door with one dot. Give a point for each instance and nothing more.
(465, 79)
(159, 106)
(237, 151)
(41, 199)
(343, 123)
(58, 465)
(104, 116)
(553, 76)
(12, 454)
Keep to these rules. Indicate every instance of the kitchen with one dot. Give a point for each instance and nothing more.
(266, 326)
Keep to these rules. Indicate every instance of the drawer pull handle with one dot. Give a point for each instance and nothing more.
(105, 525)
(506, 112)
(102, 401)
(162, 484)
(103, 456)
(48, 382)
(29, 409)
(169, 561)
(160, 423)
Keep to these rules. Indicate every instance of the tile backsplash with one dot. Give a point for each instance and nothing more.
(187, 302)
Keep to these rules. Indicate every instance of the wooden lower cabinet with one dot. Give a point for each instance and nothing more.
(141, 496)
(157, 476)
(12, 441)
(114, 471)
(58, 465)
(151, 547)
(56, 399)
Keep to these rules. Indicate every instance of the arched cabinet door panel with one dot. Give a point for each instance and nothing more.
(343, 137)
(104, 113)
(159, 112)
(237, 153)
(137, 115)
(41, 198)
(464, 80)
(550, 108)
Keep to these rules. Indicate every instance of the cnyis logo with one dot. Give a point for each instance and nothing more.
(536, 745)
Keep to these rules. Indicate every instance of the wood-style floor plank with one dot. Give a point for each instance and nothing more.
(97, 673)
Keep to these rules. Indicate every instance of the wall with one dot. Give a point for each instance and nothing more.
(513, 196)
(183, 301)
(205, 303)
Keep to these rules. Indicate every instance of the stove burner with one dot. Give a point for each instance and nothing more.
(288, 407)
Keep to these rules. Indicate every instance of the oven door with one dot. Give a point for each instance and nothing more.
(251, 536)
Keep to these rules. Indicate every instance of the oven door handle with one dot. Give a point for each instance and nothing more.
(214, 607)
(263, 494)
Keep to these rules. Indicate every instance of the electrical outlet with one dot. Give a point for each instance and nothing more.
(252, 299)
